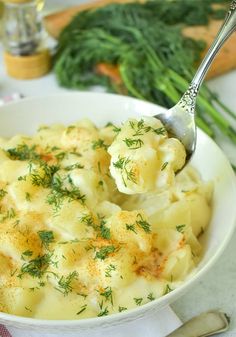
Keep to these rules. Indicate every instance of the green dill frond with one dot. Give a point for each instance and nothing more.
(65, 283)
(46, 237)
(23, 152)
(133, 144)
(104, 252)
(143, 223)
(99, 144)
(36, 267)
(109, 270)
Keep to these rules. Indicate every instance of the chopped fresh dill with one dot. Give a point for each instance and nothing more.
(36, 267)
(202, 231)
(138, 301)
(104, 252)
(60, 156)
(28, 309)
(107, 294)
(65, 283)
(164, 165)
(139, 127)
(109, 270)
(167, 290)
(131, 228)
(2, 193)
(133, 144)
(99, 144)
(143, 224)
(180, 228)
(160, 131)
(23, 152)
(88, 220)
(83, 308)
(150, 297)
(122, 309)
(115, 128)
(74, 166)
(127, 173)
(46, 237)
(70, 128)
(43, 175)
(26, 253)
(27, 196)
(104, 311)
(105, 231)
(59, 193)
(10, 214)
(22, 178)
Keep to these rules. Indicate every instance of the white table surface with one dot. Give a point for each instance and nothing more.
(217, 289)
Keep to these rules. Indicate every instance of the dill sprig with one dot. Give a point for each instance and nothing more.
(139, 127)
(109, 270)
(23, 152)
(99, 144)
(59, 192)
(2, 193)
(143, 223)
(180, 228)
(37, 267)
(138, 300)
(43, 175)
(65, 283)
(103, 311)
(46, 237)
(105, 231)
(127, 172)
(104, 252)
(133, 144)
(107, 294)
(83, 308)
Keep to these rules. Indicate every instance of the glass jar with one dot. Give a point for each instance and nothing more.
(22, 27)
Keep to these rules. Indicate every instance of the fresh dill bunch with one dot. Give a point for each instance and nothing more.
(144, 41)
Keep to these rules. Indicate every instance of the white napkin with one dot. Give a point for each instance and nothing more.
(157, 325)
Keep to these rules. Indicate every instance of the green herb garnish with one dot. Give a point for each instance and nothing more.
(109, 270)
(138, 301)
(46, 237)
(133, 144)
(180, 228)
(104, 252)
(143, 223)
(65, 283)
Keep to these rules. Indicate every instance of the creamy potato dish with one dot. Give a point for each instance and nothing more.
(93, 221)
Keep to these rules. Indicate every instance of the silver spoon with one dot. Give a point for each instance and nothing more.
(206, 324)
(180, 120)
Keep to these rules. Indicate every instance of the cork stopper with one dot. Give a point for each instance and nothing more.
(28, 67)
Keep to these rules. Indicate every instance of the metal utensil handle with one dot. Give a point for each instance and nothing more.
(206, 324)
(226, 30)
(188, 100)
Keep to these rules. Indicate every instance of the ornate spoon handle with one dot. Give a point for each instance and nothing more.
(228, 27)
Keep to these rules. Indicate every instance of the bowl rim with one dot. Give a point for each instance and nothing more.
(163, 300)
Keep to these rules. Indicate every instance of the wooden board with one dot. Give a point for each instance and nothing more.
(224, 62)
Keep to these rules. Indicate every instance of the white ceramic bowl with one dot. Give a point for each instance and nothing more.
(26, 115)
